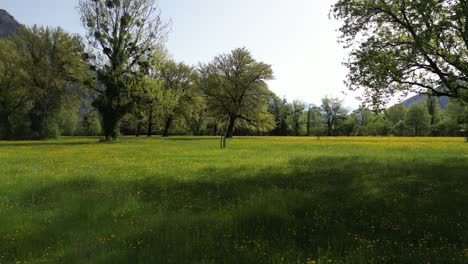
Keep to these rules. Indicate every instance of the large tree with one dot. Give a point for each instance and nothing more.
(123, 34)
(405, 46)
(177, 80)
(235, 88)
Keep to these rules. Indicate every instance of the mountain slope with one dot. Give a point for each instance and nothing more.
(443, 101)
(8, 24)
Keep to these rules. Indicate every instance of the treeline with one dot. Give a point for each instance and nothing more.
(51, 86)
(120, 80)
(331, 118)
(47, 90)
(41, 77)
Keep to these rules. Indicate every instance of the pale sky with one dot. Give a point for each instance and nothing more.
(296, 37)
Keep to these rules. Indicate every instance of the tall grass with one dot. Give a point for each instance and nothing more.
(262, 200)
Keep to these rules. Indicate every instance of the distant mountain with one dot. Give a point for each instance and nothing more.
(443, 100)
(8, 24)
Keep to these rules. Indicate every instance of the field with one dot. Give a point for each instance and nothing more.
(261, 200)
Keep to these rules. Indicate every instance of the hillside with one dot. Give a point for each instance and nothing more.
(443, 101)
(8, 24)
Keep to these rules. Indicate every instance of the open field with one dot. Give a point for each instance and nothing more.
(262, 200)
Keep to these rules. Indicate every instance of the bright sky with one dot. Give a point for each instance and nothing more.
(296, 37)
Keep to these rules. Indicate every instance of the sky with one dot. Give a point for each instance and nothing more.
(296, 37)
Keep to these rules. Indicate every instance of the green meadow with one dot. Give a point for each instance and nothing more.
(261, 200)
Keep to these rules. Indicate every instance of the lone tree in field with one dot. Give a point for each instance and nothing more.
(234, 86)
(123, 34)
(406, 46)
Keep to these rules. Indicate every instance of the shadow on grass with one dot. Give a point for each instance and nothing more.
(190, 138)
(347, 210)
(46, 143)
(201, 138)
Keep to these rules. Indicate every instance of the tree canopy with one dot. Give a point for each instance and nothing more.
(235, 87)
(124, 34)
(405, 46)
(41, 70)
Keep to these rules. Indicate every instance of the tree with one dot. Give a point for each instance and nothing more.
(418, 119)
(177, 80)
(297, 110)
(54, 62)
(280, 110)
(433, 109)
(146, 95)
(317, 121)
(332, 111)
(124, 34)
(378, 125)
(235, 88)
(396, 115)
(15, 97)
(456, 118)
(363, 117)
(90, 125)
(309, 120)
(406, 46)
(41, 70)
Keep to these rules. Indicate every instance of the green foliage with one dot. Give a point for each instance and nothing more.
(235, 88)
(396, 115)
(125, 34)
(280, 109)
(177, 93)
(262, 200)
(15, 97)
(455, 119)
(333, 113)
(418, 119)
(296, 118)
(405, 46)
(91, 124)
(53, 61)
(42, 70)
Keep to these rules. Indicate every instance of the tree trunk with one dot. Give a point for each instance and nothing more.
(150, 122)
(215, 129)
(138, 131)
(230, 129)
(167, 126)
(308, 122)
(8, 126)
(111, 123)
(329, 129)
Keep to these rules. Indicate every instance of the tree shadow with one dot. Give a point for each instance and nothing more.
(190, 138)
(392, 211)
(46, 143)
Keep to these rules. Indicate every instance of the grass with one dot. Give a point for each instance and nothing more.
(262, 200)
